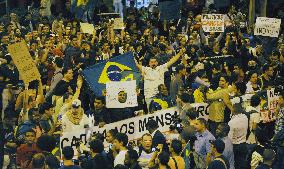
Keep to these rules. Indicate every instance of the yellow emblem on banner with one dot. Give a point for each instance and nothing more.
(113, 72)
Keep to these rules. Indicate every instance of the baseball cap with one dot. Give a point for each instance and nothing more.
(218, 144)
(76, 103)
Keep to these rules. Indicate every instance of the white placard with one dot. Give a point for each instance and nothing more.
(267, 26)
(213, 22)
(115, 89)
(87, 28)
(272, 96)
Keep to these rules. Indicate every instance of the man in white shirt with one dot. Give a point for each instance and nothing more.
(238, 132)
(154, 75)
(75, 119)
(119, 144)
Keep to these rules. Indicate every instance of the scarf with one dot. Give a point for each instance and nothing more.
(75, 119)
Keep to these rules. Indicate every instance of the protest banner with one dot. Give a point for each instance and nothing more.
(134, 127)
(87, 28)
(267, 26)
(213, 22)
(24, 62)
(118, 23)
(121, 94)
(202, 109)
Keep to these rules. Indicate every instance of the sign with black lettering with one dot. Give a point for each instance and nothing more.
(267, 26)
(133, 127)
(213, 22)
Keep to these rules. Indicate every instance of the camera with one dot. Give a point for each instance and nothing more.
(176, 123)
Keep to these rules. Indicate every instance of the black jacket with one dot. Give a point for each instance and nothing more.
(159, 138)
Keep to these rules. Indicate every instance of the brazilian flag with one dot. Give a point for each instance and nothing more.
(119, 68)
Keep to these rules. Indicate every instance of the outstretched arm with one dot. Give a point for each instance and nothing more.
(175, 58)
(139, 65)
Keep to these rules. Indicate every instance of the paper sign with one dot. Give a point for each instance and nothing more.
(24, 62)
(121, 94)
(267, 26)
(272, 96)
(118, 23)
(87, 28)
(213, 22)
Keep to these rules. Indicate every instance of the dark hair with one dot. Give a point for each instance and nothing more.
(99, 136)
(58, 62)
(242, 87)
(160, 86)
(30, 131)
(192, 114)
(179, 68)
(176, 146)
(202, 121)
(65, 70)
(152, 124)
(225, 77)
(97, 146)
(122, 137)
(68, 152)
(46, 143)
(133, 155)
(101, 98)
(146, 134)
(250, 73)
(38, 161)
(45, 106)
(185, 97)
(225, 128)
(255, 100)
(164, 158)
(113, 132)
(32, 111)
(120, 166)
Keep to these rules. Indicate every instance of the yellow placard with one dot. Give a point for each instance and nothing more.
(24, 62)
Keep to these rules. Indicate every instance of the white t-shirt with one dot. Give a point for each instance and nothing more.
(238, 128)
(119, 159)
(152, 79)
(68, 126)
(144, 158)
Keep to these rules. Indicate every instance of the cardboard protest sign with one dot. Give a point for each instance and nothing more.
(87, 28)
(213, 22)
(118, 23)
(267, 26)
(24, 62)
(121, 94)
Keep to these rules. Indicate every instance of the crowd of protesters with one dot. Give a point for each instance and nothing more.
(178, 64)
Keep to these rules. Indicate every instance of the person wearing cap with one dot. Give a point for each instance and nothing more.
(220, 161)
(75, 118)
